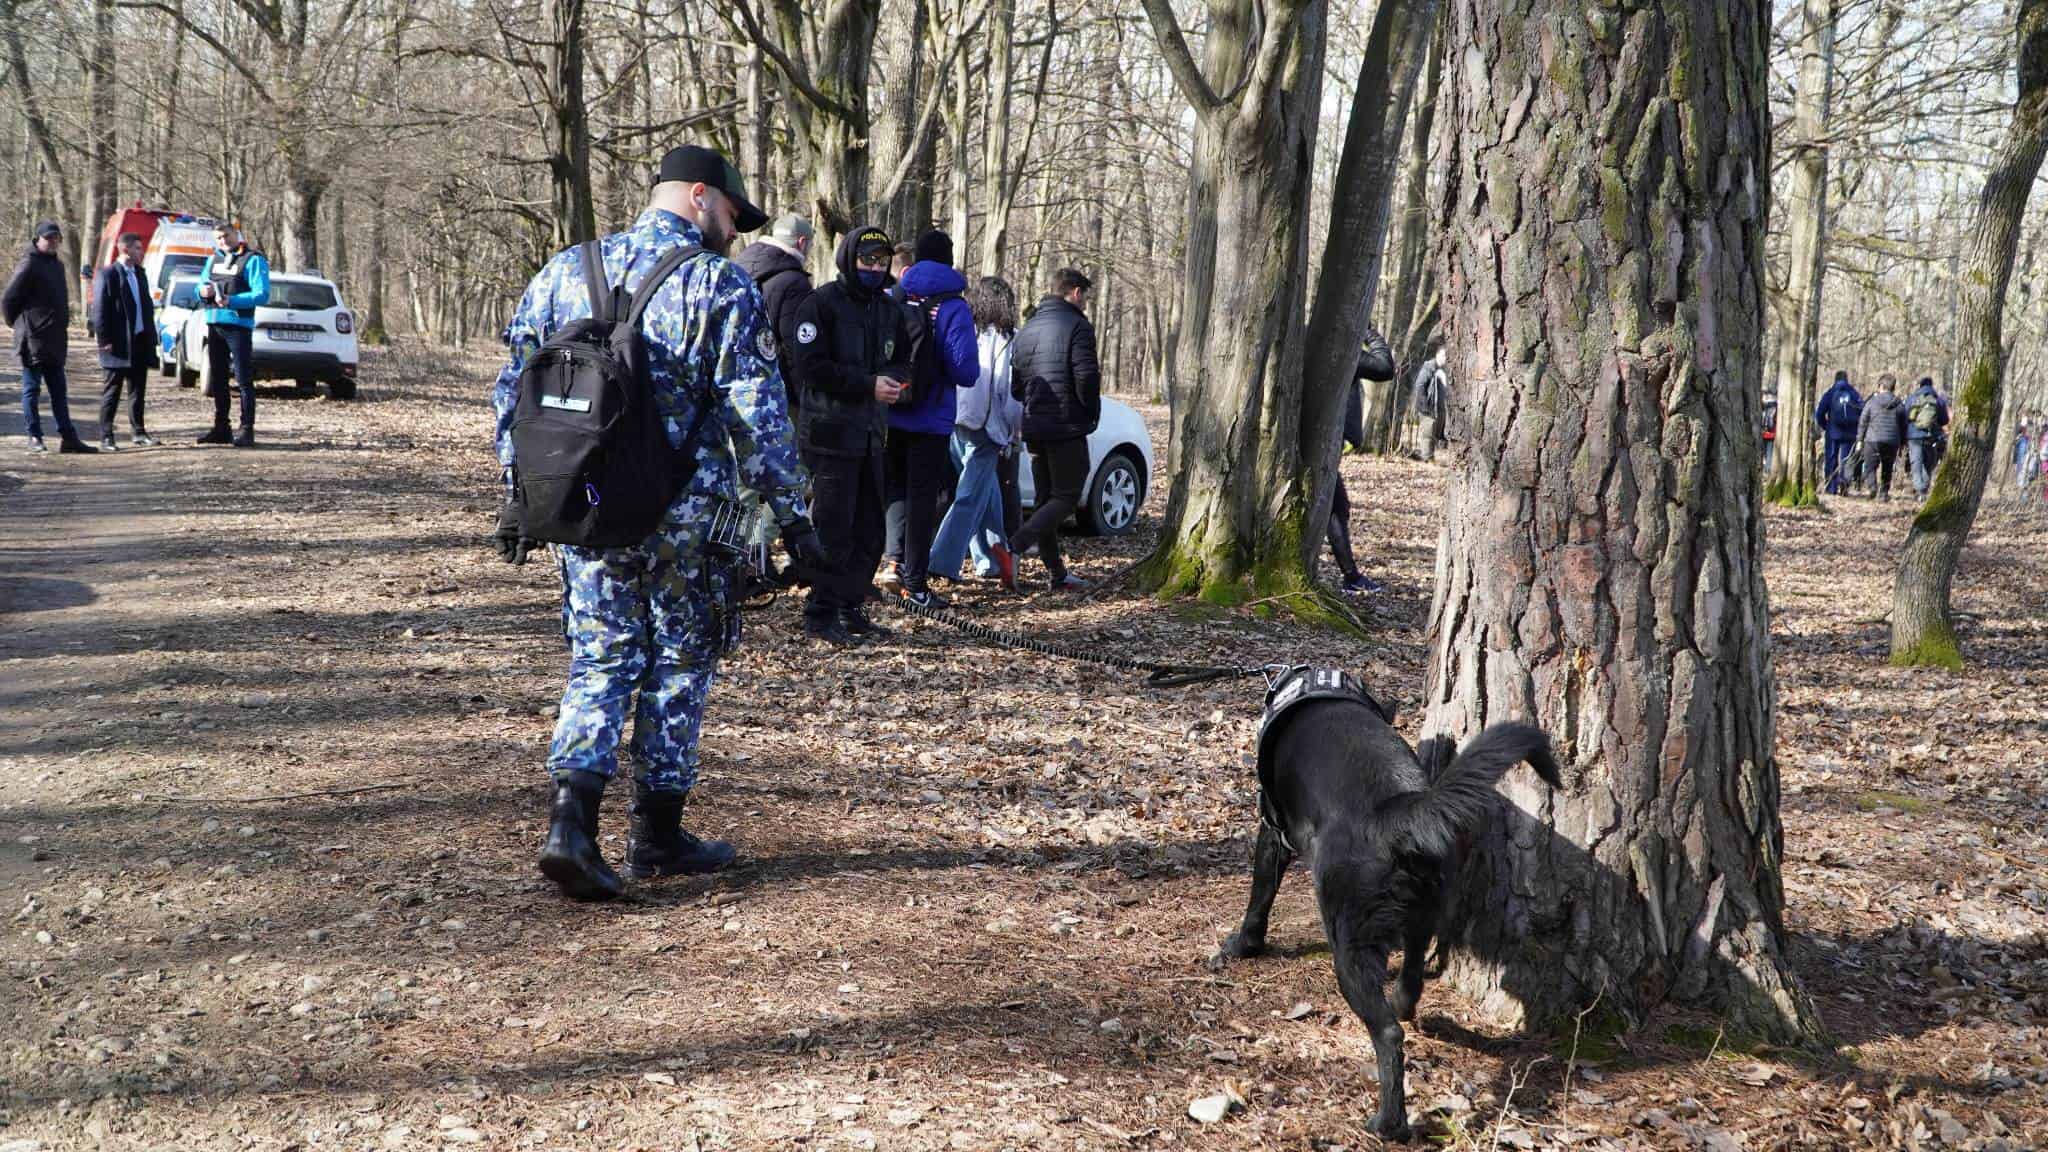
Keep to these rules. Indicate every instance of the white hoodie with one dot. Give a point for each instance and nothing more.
(988, 405)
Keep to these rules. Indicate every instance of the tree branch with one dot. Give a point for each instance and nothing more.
(255, 82)
(1173, 45)
(920, 135)
(798, 78)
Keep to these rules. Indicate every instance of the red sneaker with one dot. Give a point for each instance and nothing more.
(1006, 567)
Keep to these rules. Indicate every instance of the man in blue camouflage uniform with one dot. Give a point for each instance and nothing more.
(651, 619)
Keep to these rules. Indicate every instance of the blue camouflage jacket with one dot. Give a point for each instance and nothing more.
(707, 340)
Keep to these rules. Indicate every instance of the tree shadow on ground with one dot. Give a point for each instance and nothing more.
(20, 595)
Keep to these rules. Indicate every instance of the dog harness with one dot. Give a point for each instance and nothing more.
(1291, 689)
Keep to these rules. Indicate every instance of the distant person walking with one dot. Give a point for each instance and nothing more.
(1836, 416)
(37, 304)
(1428, 396)
(1926, 424)
(234, 283)
(1879, 433)
(1054, 372)
(984, 431)
(124, 326)
(1375, 363)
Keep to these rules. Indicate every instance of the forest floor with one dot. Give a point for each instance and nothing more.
(271, 732)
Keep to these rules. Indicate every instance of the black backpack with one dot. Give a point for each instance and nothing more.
(592, 462)
(924, 335)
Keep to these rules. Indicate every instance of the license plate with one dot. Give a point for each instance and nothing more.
(292, 337)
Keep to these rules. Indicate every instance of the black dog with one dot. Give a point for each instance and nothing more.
(1379, 825)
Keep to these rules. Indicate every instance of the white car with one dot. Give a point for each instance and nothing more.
(1119, 471)
(304, 334)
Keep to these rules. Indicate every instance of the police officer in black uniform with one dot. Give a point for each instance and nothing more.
(852, 358)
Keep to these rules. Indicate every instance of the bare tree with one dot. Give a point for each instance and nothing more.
(1795, 475)
(1600, 565)
(1923, 628)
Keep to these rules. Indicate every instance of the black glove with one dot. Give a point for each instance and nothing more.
(513, 545)
(805, 548)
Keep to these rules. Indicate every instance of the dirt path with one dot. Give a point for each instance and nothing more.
(271, 725)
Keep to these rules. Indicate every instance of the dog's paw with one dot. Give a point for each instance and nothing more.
(1393, 1130)
(1238, 947)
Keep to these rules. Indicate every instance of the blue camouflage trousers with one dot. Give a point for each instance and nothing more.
(643, 632)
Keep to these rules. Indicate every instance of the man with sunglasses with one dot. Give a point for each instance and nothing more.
(851, 358)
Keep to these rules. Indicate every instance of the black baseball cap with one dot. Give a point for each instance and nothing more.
(693, 164)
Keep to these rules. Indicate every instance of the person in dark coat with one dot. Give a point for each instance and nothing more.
(851, 355)
(918, 462)
(1836, 417)
(1055, 373)
(1926, 419)
(1879, 432)
(124, 326)
(777, 264)
(37, 303)
(1375, 363)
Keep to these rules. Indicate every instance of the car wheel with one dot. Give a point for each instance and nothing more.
(1116, 496)
(341, 388)
(188, 377)
(307, 387)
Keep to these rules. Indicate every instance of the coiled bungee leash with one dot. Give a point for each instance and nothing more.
(1156, 675)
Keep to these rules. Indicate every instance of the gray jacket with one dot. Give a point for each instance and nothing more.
(988, 406)
(1883, 421)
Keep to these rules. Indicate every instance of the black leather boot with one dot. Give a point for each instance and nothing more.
(656, 844)
(570, 856)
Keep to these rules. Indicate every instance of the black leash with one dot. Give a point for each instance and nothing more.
(1157, 675)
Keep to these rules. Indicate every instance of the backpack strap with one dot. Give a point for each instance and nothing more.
(602, 299)
(669, 262)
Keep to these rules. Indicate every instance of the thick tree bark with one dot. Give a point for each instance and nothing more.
(1349, 279)
(1795, 472)
(1600, 566)
(904, 75)
(574, 210)
(1236, 404)
(1923, 631)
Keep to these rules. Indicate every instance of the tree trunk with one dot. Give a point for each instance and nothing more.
(167, 176)
(1600, 569)
(1386, 401)
(374, 328)
(102, 177)
(303, 193)
(574, 209)
(1349, 279)
(1923, 632)
(961, 184)
(996, 177)
(1795, 473)
(1236, 447)
(11, 23)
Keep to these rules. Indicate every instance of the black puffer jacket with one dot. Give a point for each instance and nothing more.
(785, 284)
(1054, 372)
(846, 336)
(1375, 363)
(38, 305)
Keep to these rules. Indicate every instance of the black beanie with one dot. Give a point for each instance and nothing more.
(936, 247)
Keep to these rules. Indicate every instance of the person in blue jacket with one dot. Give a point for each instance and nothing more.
(233, 284)
(1926, 431)
(1836, 416)
(918, 461)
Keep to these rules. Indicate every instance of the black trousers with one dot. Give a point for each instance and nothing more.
(917, 469)
(846, 509)
(1007, 467)
(136, 377)
(1883, 457)
(227, 345)
(1059, 470)
(1340, 531)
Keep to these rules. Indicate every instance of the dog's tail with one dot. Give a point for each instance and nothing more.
(1461, 787)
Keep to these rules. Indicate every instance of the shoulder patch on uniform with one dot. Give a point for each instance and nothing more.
(806, 332)
(765, 341)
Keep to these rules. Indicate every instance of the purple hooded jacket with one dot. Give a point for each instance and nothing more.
(957, 363)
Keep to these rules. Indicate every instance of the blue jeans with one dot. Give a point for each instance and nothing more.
(1924, 457)
(976, 517)
(1838, 449)
(33, 380)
